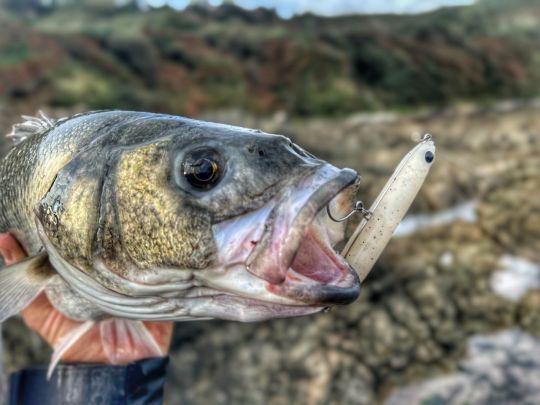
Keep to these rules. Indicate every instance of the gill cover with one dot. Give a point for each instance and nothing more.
(111, 211)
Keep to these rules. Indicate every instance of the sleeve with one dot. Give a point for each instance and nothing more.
(140, 382)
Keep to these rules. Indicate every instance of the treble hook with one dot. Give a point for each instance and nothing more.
(358, 208)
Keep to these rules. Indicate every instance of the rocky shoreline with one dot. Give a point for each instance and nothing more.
(430, 292)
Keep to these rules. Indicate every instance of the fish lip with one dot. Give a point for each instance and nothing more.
(272, 260)
(322, 294)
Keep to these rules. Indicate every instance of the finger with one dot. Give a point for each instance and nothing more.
(52, 326)
(90, 347)
(46, 320)
(10, 249)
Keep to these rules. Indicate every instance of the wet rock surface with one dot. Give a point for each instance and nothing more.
(503, 368)
(429, 293)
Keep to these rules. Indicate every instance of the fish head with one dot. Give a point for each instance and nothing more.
(274, 239)
(222, 221)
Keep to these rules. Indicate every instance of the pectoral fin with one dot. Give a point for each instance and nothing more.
(21, 282)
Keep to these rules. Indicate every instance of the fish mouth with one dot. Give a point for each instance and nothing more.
(282, 254)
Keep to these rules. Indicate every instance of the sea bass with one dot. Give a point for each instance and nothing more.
(157, 217)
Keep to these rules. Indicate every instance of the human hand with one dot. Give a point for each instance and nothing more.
(98, 344)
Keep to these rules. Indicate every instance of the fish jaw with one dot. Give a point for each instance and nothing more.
(282, 255)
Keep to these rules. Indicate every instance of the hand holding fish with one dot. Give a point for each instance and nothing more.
(53, 326)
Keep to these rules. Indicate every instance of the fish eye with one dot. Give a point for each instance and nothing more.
(429, 156)
(202, 169)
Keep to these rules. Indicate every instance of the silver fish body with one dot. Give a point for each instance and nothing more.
(158, 217)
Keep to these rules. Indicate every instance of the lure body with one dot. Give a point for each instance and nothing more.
(373, 233)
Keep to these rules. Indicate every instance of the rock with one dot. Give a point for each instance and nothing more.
(499, 369)
(511, 215)
(528, 315)
(514, 277)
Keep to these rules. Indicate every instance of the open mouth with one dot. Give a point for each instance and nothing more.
(318, 275)
(282, 254)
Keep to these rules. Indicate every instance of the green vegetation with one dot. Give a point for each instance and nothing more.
(204, 58)
(13, 54)
(77, 84)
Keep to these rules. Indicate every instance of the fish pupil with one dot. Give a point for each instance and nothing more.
(201, 169)
(205, 170)
(429, 156)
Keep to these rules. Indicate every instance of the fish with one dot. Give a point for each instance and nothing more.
(374, 231)
(146, 216)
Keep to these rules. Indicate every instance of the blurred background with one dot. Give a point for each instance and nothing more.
(450, 313)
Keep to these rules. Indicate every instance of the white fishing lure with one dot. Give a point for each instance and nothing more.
(375, 230)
